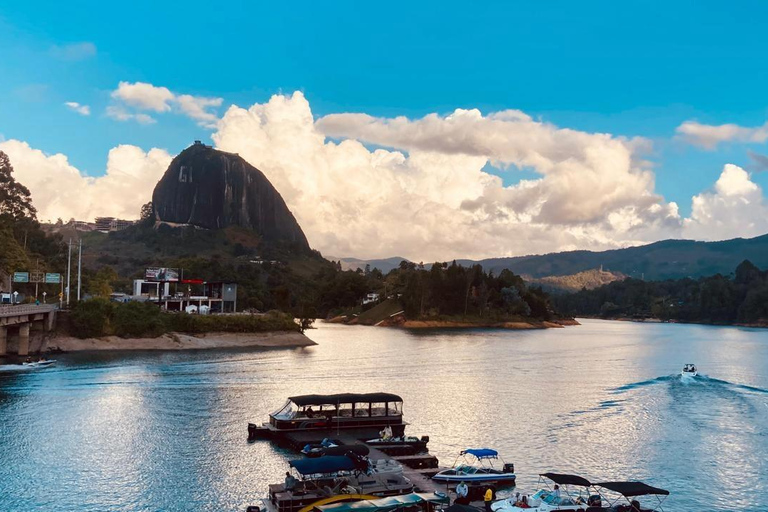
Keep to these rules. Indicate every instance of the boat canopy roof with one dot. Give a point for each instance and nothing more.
(344, 449)
(344, 398)
(629, 489)
(388, 503)
(481, 453)
(322, 465)
(562, 479)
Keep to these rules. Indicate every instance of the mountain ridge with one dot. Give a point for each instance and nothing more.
(664, 259)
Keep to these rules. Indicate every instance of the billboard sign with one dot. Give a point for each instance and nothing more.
(161, 274)
(51, 278)
(21, 277)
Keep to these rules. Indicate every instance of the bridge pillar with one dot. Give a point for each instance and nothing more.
(3, 340)
(48, 323)
(24, 339)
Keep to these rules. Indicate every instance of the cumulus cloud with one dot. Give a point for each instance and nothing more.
(61, 190)
(420, 188)
(148, 97)
(83, 110)
(74, 51)
(709, 136)
(144, 96)
(428, 196)
(736, 207)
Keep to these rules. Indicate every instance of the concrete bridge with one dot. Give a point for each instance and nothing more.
(20, 318)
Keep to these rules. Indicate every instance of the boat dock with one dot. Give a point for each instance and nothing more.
(417, 467)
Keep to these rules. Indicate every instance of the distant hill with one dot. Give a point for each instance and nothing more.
(385, 264)
(668, 259)
(589, 279)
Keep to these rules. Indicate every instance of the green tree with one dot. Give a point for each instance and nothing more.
(15, 198)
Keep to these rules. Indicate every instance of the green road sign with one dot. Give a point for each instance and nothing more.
(21, 277)
(52, 278)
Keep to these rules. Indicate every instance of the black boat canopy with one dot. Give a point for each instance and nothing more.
(344, 398)
(629, 489)
(322, 465)
(562, 479)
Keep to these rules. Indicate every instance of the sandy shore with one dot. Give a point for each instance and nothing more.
(179, 341)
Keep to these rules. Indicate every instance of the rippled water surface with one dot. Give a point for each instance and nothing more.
(167, 431)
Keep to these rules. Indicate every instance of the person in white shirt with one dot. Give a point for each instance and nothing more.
(462, 490)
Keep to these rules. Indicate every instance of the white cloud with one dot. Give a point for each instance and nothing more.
(736, 207)
(61, 190)
(195, 107)
(145, 96)
(709, 136)
(74, 51)
(119, 113)
(83, 110)
(436, 201)
(428, 196)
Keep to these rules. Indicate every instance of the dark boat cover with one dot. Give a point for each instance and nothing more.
(321, 465)
(344, 398)
(630, 489)
(343, 449)
(562, 479)
(481, 453)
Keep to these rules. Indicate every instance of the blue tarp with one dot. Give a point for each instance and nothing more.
(330, 464)
(481, 453)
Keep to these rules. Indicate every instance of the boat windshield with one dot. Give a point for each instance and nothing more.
(466, 469)
(286, 412)
(550, 498)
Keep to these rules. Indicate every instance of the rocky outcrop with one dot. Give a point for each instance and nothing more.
(212, 189)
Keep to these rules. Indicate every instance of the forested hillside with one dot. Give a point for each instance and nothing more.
(738, 298)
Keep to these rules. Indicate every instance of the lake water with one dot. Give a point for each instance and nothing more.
(167, 431)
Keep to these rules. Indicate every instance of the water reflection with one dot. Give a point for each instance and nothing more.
(166, 431)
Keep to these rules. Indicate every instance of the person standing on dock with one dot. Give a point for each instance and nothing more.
(488, 499)
(461, 492)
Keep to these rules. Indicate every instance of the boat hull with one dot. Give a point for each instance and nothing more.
(476, 478)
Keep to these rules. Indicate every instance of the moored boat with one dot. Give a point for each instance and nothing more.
(328, 476)
(363, 412)
(557, 492)
(482, 471)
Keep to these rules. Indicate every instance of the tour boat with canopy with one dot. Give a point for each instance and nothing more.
(367, 413)
(328, 476)
(689, 370)
(557, 491)
(482, 471)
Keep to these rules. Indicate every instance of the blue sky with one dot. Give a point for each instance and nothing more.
(624, 68)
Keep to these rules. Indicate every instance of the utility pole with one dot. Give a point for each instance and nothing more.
(69, 266)
(37, 271)
(79, 265)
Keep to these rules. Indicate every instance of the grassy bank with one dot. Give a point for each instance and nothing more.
(98, 317)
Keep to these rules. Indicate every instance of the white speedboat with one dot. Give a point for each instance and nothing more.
(480, 472)
(43, 363)
(689, 370)
(574, 495)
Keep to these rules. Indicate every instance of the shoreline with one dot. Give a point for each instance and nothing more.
(180, 341)
(400, 321)
(754, 325)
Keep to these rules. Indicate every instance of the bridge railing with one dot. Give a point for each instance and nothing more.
(25, 309)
